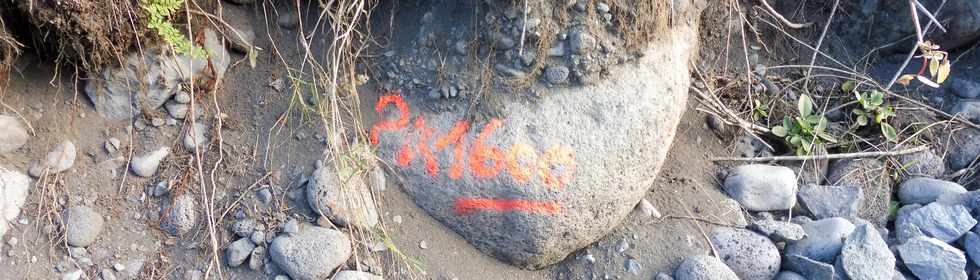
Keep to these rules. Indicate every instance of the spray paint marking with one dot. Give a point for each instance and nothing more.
(553, 168)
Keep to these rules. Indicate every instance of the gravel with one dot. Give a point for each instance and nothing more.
(12, 134)
(930, 258)
(313, 253)
(238, 251)
(59, 159)
(831, 201)
(146, 165)
(82, 225)
(824, 239)
(866, 256)
(941, 221)
(761, 187)
(750, 255)
(704, 268)
(922, 190)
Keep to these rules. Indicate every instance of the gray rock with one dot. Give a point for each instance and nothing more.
(967, 109)
(930, 258)
(82, 225)
(593, 181)
(291, 227)
(343, 197)
(788, 275)
(778, 231)
(647, 209)
(760, 187)
(146, 165)
(704, 268)
(377, 179)
(964, 151)
(581, 42)
(257, 237)
(922, 190)
(500, 40)
(112, 145)
(12, 134)
(866, 256)
(176, 110)
(238, 252)
(872, 177)
(264, 195)
(239, 32)
(256, 260)
(355, 275)
(182, 97)
(971, 244)
(941, 221)
(14, 187)
(556, 74)
(831, 201)
(179, 216)
(663, 276)
(158, 73)
(904, 230)
(924, 164)
(809, 268)
(750, 255)
(823, 241)
(313, 253)
(59, 159)
(194, 136)
(242, 227)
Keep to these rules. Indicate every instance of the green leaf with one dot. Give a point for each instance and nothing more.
(858, 111)
(827, 136)
(795, 140)
(889, 132)
(807, 144)
(847, 86)
(779, 131)
(805, 105)
(862, 120)
(821, 124)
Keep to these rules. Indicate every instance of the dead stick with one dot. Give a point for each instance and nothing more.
(831, 156)
(783, 19)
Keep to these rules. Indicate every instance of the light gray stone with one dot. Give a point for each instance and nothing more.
(581, 42)
(146, 165)
(941, 221)
(59, 159)
(176, 110)
(824, 239)
(831, 201)
(14, 187)
(760, 187)
(924, 164)
(12, 134)
(704, 268)
(904, 230)
(778, 231)
(789, 275)
(238, 251)
(750, 255)
(872, 176)
(179, 215)
(556, 74)
(194, 136)
(355, 275)
(967, 109)
(313, 253)
(342, 196)
(809, 268)
(866, 256)
(922, 190)
(930, 258)
(82, 225)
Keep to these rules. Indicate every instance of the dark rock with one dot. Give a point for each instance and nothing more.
(823, 241)
(809, 268)
(924, 164)
(242, 227)
(761, 187)
(778, 231)
(930, 258)
(971, 244)
(967, 109)
(831, 201)
(922, 190)
(941, 221)
(313, 253)
(750, 255)
(866, 256)
(964, 151)
(704, 268)
(788, 275)
(875, 183)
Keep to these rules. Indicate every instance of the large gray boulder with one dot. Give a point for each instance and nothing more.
(750, 255)
(547, 177)
(930, 258)
(12, 134)
(312, 253)
(14, 187)
(760, 187)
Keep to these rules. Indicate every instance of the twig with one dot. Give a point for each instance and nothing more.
(520, 51)
(929, 14)
(828, 156)
(779, 16)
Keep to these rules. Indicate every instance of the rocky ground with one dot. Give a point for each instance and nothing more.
(497, 141)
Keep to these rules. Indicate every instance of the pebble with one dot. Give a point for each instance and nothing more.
(291, 227)
(964, 151)
(12, 134)
(632, 266)
(922, 190)
(265, 196)
(257, 259)
(112, 145)
(107, 274)
(176, 110)
(663, 276)
(74, 275)
(355, 275)
(865, 255)
(967, 109)
(789, 275)
(182, 97)
(180, 215)
(809, 268)
(118, 266)
(312, 253)
(157, 122)
(423, 245)
(194, 136)
(823, 240)
(925, 164)
(904, 230)
(12, 241)
(146, 165)
(778, 231)
(646, 208)
(602, 7)
(581, 42)
(242, 227)
(556, 74)
(59, 159)
(622, 246)
(941, 221)
(761, 187)
(704, 268)
(239, 251)
(930, 258)
(258, 237)
(161, 188)
(750, 255)
(831, 201)
(82, 225)
(397, 219)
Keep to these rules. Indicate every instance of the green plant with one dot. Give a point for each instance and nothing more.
(805, 131)
(760, 110)
(159, 11)
(873, 107)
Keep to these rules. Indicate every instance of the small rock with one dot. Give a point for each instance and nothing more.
(257, 259)
(182, 97)
(288, 20)
(12, 134)
(647, 209)
(663, 276)
(378, 179)
(930, 258)
(750, 255)
(558, 49)
(352, 204)
(355, 275)
(460, 47)
(778, 231)
(925, 164)
(257, 237)
(789, 275)
(13, 194)
(501, 41)
(941, 221)
(74, 275)
(922, 190)
(311, 254)
(762, 187)
(179, 216)
(107, 274)
(195, 136)
(82, 225)
(632, 266)
(146, 166)
(967, 109)
(291, 227)
(872, 176)
(423, 245)
(112, 145)
(581, 42)
(704, 268)
(176, 110)
(556, 74)
(823, 241)
(602, 8)
(157, 122)
(242, 227)
(59, 159)
(831, 201)
(809, 268)
(971, 244)
(866, 256)
(239, 251)
(161, 188)
(964, 151)
(264, 195)
(193, 274)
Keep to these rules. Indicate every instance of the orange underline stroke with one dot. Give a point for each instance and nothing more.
(466, 206)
